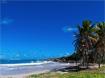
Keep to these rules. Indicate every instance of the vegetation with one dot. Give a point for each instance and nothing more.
(66, 59)
(89, 48)
(68, 75)
(97, 73)
(100, 45)
(90, 42)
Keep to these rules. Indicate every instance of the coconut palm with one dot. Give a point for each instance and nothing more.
(84, 40)
(100, 45)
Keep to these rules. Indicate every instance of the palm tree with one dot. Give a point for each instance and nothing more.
(100, 45)
(84, 40)
(90, 42)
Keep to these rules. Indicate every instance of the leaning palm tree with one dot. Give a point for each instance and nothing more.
(100, 45)
(84, 40)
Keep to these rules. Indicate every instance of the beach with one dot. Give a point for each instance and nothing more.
(24, 69)
(46, 68)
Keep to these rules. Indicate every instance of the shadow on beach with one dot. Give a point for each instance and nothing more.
(76, 68)
(70, 69)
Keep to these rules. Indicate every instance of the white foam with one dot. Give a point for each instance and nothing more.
(26, 64)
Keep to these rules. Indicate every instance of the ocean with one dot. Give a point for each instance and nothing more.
(26, 66)
(5, 61)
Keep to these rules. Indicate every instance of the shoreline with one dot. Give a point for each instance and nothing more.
(26, 64)
(22, 71)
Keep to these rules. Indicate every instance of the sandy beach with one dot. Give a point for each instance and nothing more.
(23, 70)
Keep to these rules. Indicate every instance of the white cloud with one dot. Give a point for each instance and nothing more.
(17, 55)
(2, 56)
(68, 29)
(5, 21)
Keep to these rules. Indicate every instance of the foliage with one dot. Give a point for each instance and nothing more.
(82, 74)
(90, 42)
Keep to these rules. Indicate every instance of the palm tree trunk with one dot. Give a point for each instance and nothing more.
(99, 64)
(86, 59)
(99, 61)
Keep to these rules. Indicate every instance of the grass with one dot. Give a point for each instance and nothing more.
(96, 73)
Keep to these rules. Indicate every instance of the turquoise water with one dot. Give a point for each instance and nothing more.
(24, 57)
(15, 60)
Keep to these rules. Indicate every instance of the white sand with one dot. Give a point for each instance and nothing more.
(23, 70)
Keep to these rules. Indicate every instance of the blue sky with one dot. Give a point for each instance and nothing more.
(32, 29)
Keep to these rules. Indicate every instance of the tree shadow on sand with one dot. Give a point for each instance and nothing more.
(72, 69)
